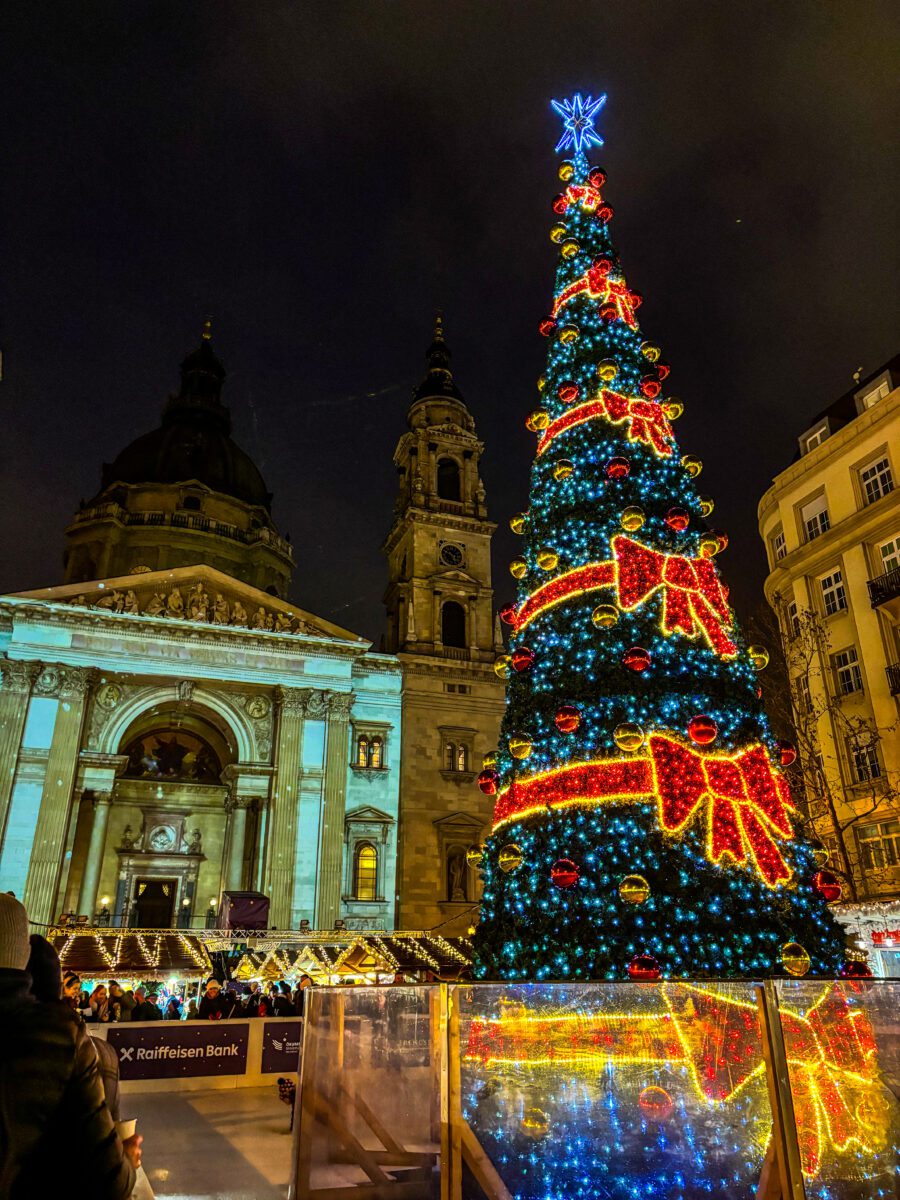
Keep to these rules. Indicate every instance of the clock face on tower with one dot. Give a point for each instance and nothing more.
(451, 556)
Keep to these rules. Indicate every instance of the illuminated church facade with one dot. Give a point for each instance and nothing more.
(173, 727)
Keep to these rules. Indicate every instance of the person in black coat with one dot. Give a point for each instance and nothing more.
(214, 1006)
(144, 1009)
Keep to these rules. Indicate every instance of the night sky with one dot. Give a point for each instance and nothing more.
(321, 177)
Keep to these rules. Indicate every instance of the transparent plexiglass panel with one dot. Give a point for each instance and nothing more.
(842, 1041)
(369, 1110)
(578, 1091)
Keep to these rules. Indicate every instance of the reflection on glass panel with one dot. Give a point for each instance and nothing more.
(369, 1115)
(842, 1041)
(607, 1090)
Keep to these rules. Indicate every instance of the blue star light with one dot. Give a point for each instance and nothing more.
(578, 121)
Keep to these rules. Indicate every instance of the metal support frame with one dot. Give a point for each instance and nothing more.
(784, 1145)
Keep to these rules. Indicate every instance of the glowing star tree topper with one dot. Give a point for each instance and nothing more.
(634, 744)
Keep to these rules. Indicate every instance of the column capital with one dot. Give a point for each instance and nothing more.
(245, 802)
(292, 700)
(18, 676)
(100, 798)
(76, 681)
(339, 705)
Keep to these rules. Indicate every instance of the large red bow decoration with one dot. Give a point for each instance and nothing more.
(694, 598)
(746, 802)
(597, 284)
(646, 421)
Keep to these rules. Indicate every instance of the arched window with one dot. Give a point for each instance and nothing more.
(365, 873)
(448, 479)
(450, 756)
(462, 757)
(376, 752)
(453, 624)
(362, 752)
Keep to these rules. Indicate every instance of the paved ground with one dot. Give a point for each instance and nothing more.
(229, 1144)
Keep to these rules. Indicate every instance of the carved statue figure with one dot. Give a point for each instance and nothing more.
(127, 839)
(282, 622)
(221, 615)
(155, 605)
(456, 868)
(263, 619)
(111, 600)
(238, 614)
(131, 601)
(198, 603)
(174, 603)
(195, 843)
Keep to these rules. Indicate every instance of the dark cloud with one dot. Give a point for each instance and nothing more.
(322, 177)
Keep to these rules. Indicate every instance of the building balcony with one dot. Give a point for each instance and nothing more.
(885, 589)
(185, 520)
(893, 676)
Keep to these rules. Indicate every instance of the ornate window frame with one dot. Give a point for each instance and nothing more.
(462, 739)
(369, 733)
(366, 826)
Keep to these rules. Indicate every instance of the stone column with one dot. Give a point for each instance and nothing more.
(281, 839)
(90, 880)
(334, 798)
(17, 680)
(56, 799)
(234, 866)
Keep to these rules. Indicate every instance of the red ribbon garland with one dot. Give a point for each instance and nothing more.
(646, 420)
(745, 800)
(599, 285)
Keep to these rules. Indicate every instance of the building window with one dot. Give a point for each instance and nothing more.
(779, 545)
(369, 751)
(876, 480)
(890, 554)
(814, 517)
(879, 845)
(461, 689)
(816, 438)
(834, 598)
(803, 697)
(453, 624)
(456, 756)
(847, 674)
(864, 762)
(448, 479)
(880, 391)
(365, 873)
(362, 752)
(793, 620)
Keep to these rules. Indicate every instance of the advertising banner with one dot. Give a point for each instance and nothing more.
(281, 1046)
(165, 1050)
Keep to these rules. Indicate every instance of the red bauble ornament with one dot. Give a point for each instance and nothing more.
(605, 212)
(828, 885)
(546, 327)
(489, 781)
(568, 391)
(559, 204)
(596, 177)
(523, 658)
(567, 718)
(678, 519)
(617, 468)
(636, 659)
(609, 312)
(508, 614)
(855, 969)
(788, 752)
(656, 1103)
(663, 370)
(564, 873)
(643, 967)
(650, 387)
(702, 729)
(602, 266)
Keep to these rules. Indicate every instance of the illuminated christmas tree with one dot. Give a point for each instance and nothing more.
(642, 824)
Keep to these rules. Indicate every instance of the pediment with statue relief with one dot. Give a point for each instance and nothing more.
(198, 594)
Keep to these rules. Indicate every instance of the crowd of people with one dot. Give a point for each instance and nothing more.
(115, 1004)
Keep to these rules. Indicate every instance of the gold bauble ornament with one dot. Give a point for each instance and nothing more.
(634, 889)
(709, 545)
(547, 558)
(509, 858)
(570, 248)
(605, 616)
(542, 382)
(502, 666)
(490, 759)
(707, 504)
(628, 736)
(470, 932)
(566, 170)
(759, 657)
(632, 518)
(692, 465)
(517, 522)
(569, 334)
(535, 1124)
(563, 468)
(558, 232)
(650, 351)
(607, 369)
(517, 568)
(537, 420)
(520, 745)
(794, 959)
(474, 855)
(673, 408)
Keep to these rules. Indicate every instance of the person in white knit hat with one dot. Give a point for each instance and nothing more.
(56, 1132)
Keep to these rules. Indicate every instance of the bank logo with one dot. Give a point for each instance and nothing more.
(126, 1053)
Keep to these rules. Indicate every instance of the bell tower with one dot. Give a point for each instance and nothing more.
(440, 623)
(439, 548)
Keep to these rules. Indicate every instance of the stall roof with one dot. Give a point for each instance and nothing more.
(132, 953)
